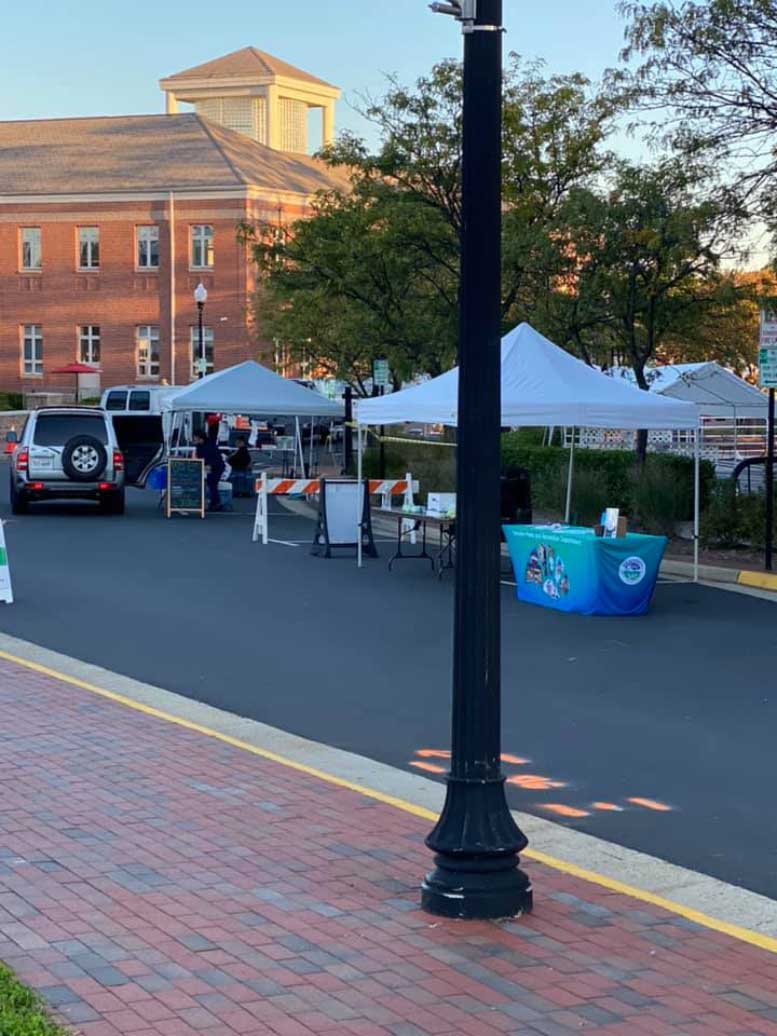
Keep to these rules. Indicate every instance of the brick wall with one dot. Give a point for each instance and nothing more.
(118, 297)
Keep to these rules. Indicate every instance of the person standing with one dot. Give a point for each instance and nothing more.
(240, 462)
(206, 448)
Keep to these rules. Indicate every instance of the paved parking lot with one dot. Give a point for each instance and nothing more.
(657, 733)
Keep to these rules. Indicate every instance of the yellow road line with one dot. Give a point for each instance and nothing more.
(761, 580)
(764, 942)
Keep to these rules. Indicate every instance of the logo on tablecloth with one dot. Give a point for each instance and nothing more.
(632, 571)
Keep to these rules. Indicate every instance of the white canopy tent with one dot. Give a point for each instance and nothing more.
(249, 388)
(715, 391)
(541, 385)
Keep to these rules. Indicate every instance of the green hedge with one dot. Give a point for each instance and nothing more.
(662, 491)
(736, 520)
(656, 498)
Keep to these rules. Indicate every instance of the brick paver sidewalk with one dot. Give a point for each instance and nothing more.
(158, 882)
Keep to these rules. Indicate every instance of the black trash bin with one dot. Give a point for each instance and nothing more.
(516, 507)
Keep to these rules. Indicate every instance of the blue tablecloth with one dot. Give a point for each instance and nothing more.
(574, 570)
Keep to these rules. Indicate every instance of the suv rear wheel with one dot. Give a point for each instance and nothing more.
(84, 458)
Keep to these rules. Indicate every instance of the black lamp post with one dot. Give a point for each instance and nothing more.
(201, 297)
(476, 840)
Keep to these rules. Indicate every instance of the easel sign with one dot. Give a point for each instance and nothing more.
(185, 486)
(340, 503)
(6, 593)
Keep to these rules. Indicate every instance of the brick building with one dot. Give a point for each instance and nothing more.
(108, 224)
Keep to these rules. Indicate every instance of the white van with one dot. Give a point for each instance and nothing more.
(141, 422)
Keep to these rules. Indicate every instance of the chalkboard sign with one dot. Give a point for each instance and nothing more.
(185, 486)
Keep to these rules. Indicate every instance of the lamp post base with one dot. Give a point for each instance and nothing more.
(475, 888)
(476, 844)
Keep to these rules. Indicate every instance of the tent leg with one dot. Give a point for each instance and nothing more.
(310, 454)
(696, 490)
(568, 511)
(299, 448)
(359, 502)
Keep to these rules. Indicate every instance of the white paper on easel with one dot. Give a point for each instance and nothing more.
(611, 516)
(6, 592)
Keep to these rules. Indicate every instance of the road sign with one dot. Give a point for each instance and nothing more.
(767, 349)
(380, 373)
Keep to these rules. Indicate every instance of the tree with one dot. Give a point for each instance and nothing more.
(648, 255)
(345, 286)
(379, 263)
(728, 332)
(711, 67)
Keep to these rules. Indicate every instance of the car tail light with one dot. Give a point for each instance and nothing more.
(36, 485)
(22, 460)
(118, 460)
(103, 486)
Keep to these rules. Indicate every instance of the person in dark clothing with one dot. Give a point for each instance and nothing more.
(240, 462)
(207, 450)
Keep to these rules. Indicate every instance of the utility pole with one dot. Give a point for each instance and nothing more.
(476, 840)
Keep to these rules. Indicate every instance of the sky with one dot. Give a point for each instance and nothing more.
(102, 57)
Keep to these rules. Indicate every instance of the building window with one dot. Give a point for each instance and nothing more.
(32, 349)
(31, 250)
(147, 247)
(89, 248)
(207, 347)
(89, 343)
(202, 247)
(147, 338)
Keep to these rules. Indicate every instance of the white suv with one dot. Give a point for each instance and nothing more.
(68, 453)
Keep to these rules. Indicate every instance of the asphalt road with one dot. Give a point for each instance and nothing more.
(677, 709)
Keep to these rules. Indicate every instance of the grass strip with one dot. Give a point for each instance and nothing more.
(22, 1012)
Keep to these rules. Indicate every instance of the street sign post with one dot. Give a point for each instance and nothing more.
(767, 372)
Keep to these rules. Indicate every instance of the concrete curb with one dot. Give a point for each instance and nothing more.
(723, 903)
(719, 574)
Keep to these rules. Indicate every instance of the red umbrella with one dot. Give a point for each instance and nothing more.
(76, 368)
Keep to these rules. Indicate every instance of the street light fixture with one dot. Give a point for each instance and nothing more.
(476, 840)
(201, 297)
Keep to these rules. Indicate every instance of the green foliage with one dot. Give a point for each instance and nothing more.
(11, 401)
(21, 1011)
(589, 495)
(374, 271)
(719, 524)
(656, 498)
(647, 253)
(660, 498)
(735, 520)
(434, 466)
(708, 72)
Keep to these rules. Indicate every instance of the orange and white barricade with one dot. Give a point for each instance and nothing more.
(386, 488)
(267, 487)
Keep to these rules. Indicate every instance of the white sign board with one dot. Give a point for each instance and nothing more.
(767, 350)
(344, 505)
(6, 593)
